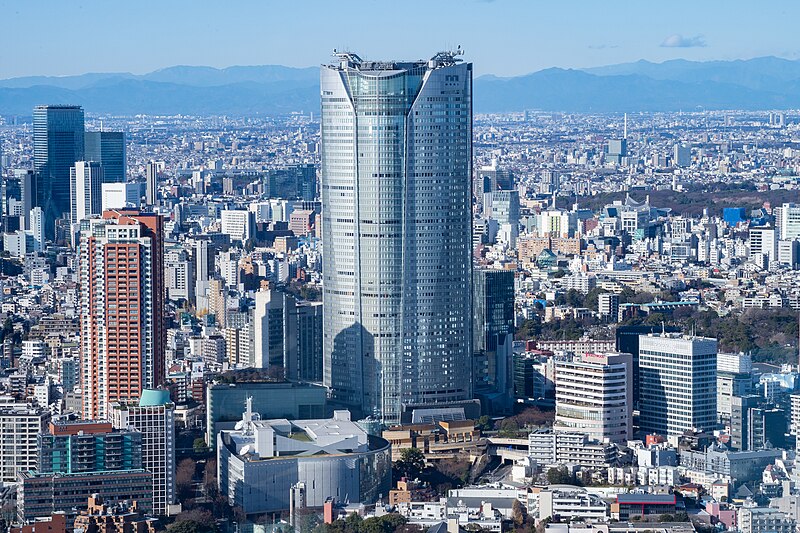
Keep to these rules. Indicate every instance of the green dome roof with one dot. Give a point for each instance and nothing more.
(151, 397)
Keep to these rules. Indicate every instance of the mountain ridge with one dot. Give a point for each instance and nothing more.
(760, 83)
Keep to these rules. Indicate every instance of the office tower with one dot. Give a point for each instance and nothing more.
(153, 416)
(269, 321)
(151, 183)
(396, 196)
(108, 149)
(237, 223)
(729, 385)
(27, 194)
(121, 308)
(627, 341)
(86, 182)
(296, 181)
(36, 224)
(763, 245)
(594, 397)
(58, 142)
(616, 150)
(794, 419)
(678, 389)
(789, 253)
(755, 427)
(505, 210)
(492, 333)
(682, 155)
(608, 306)
(120, 195)
(306, 334)
(789, 221)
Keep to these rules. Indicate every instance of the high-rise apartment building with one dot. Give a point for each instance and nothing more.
(594, 396)
(58, 142)
(86, 190)
(121, 308)
(396, 195)
(608, 306)
(20, 425)
(108, 149)
(678, 389)
(154, 417)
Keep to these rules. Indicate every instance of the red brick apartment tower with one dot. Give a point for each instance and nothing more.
(122, 308)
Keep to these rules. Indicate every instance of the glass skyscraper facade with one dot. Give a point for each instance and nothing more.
(396, 196)
(58, 142)
(108, 149)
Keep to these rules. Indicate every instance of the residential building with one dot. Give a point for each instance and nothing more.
(594, 396)
(20, 425)
(123, 336)
(153, 416)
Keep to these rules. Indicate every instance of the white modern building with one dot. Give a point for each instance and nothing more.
(238, 224)
(154, 417)
(594, 396)
(262, 460)
(20, 425)
(765, 520)
(608, 306)
(763, 245)
(120, 195)
(86, 183)
(789, 221)
(678, 383)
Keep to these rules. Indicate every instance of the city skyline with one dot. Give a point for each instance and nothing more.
(588, 35)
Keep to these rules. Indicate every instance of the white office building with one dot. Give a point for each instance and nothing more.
(594, 396)
(677, 383)
(120, 195)
(237, 223)
(86, 182)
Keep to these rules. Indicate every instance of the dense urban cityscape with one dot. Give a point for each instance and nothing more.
(394, 312)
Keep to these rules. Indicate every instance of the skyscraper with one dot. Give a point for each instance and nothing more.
(151, 183)
(108, 149)
(396, 196)
(86, 186)
(492, 330)
(58, 142)
(678, 389)
(121, 308)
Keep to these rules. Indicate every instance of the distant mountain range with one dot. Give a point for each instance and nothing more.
(761, 83)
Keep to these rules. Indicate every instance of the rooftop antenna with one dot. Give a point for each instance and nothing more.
(625, 127)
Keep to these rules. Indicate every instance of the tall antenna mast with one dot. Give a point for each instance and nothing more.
(625, 127)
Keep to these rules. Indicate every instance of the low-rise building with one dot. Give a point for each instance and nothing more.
(261, 461)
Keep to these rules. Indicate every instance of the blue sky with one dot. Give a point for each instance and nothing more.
(502, 37)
